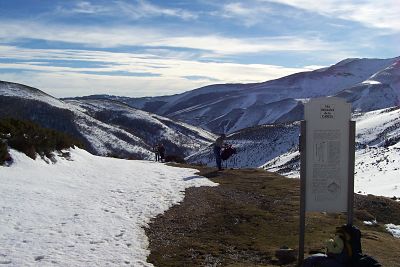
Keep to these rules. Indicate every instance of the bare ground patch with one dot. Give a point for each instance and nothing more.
(250, 215)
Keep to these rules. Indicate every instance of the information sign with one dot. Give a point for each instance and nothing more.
(327, 157)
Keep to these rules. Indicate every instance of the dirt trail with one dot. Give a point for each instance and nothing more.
(250, 215)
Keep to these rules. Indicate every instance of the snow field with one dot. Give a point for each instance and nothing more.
(88, 211)
(378, 171)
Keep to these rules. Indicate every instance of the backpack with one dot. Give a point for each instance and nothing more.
(227, 152)
(351, 256)
(351, 236)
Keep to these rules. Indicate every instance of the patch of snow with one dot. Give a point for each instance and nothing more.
(393, 229)
(371, 82)
(374, 222)
(86, 211)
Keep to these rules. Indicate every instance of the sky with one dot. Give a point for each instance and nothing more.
(153, 47)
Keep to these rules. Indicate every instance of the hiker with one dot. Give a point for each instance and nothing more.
(217, 150)
(344, 250)
(161, 152)
(156, 154)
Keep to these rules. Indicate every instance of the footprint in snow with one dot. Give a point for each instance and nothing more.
(39, 258)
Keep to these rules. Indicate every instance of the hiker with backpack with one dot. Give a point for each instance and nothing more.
(344, 250)
(218, 144)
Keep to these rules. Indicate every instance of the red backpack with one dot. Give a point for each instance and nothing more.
(227, 152)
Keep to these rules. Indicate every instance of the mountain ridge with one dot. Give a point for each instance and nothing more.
(226, 108)
(107, 128)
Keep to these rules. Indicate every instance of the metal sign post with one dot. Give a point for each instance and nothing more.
(352, 154)
(303, 174)
(327, 147)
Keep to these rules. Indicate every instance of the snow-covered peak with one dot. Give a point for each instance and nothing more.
(388, 74)
(230, 107)
(26, 92)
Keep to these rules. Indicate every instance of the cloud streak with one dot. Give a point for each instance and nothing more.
(171, 72)
(133, 10)
(149, 37)
(381, 14)
(250, 15)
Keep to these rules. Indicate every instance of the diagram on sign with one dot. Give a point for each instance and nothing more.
(326, 184)
(320, 152)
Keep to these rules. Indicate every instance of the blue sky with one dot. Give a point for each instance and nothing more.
(147, 48)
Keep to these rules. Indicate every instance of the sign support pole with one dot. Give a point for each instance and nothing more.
(302, 226)
(350, 195)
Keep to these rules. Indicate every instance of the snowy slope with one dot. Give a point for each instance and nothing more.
(377, 163)
(178, 138)
(22, 91)
(231, 107)
(86, 211)
(112, 128)
(275, 148)
(381, 90)
(254, 146)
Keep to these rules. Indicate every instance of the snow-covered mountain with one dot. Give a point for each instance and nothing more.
(254, 146)
(106, 127)
(381, 90)
(178, 138)
(275, 148)
(231, 107)
(377, 153)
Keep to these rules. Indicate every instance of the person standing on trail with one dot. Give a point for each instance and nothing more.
(161, 152)
(156, 154)
(218, 144)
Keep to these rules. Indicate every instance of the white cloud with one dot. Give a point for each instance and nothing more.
(134, 10)
(248, 14)
(148, 37)
(381, 14)
(170, 73)
(87, 8)
(143, 8)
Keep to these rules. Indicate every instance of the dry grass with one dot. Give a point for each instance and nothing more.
(250, 215)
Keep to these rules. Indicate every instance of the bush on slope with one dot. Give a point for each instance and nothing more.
(31, 139)
(3, 152)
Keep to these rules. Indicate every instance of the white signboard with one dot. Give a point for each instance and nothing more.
(327, 158)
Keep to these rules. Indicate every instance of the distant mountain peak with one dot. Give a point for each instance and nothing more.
(231, 107)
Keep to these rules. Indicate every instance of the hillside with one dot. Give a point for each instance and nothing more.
(377, 154)
(255, 146)
(275, 148)
(251, 214)
(368, 84)
(105, 127)
(178, 138)
(33, 140)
